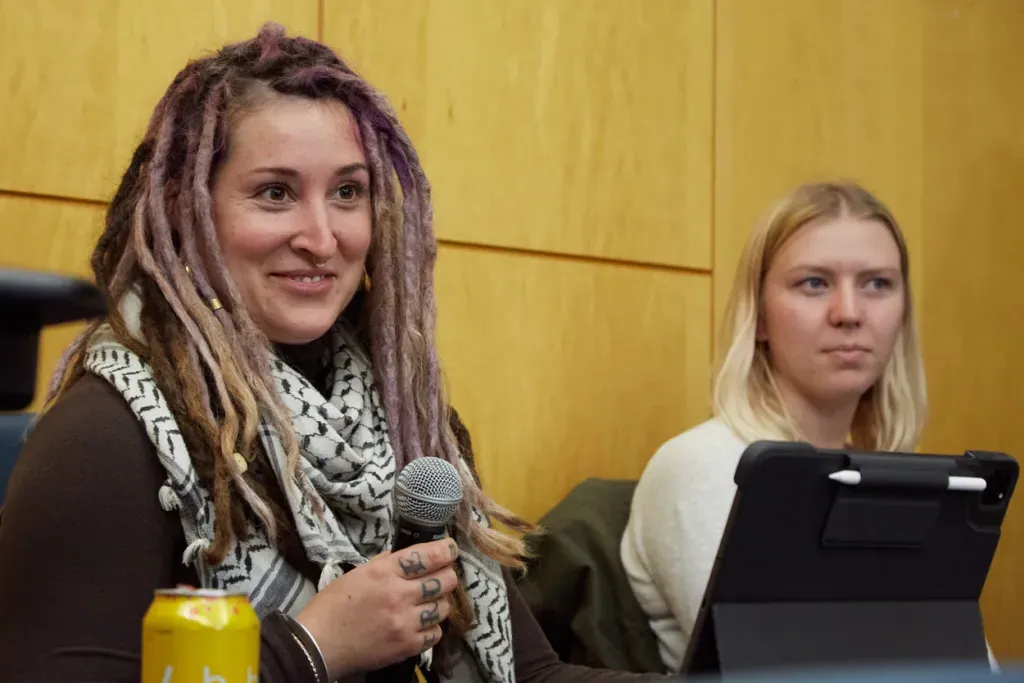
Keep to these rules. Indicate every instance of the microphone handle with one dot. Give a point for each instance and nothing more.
(407, 533)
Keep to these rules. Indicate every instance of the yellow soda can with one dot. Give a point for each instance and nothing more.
(192, 635)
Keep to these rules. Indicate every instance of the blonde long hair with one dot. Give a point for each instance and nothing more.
(891, 414)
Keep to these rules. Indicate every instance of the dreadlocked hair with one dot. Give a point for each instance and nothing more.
(213, 365)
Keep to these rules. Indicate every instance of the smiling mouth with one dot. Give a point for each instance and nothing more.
(306, 278)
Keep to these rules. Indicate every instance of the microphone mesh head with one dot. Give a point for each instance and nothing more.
(428, 490)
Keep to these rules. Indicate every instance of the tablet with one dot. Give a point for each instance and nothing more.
(845, 558)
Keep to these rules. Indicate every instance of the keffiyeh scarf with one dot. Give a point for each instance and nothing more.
(346, 468)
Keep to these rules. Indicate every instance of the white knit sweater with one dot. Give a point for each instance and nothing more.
(678, 515)
(679, 511)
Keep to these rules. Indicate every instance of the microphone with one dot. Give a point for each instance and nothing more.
(427, 495)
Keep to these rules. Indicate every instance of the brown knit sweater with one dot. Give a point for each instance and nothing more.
(84, 543)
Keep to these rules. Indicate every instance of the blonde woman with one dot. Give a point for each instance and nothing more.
(819, 346)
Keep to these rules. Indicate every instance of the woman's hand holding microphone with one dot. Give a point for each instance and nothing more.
(384, 611)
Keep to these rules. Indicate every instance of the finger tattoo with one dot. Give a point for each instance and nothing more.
(429, 616)
(411, 565)
(431, 588)
(428, 640)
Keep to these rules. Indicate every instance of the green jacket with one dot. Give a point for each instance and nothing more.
(577, 588)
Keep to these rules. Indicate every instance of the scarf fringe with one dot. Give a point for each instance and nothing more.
(168, 498)
(330, 572)
(194, 549)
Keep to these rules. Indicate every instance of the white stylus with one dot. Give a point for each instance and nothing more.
(852, 478)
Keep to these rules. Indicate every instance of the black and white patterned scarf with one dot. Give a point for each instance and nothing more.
(347, 468)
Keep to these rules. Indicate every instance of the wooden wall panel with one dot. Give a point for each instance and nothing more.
(808, 91)
(80, 79)
(564, 369)
(570, 127)
(54, 236)
(972, 328)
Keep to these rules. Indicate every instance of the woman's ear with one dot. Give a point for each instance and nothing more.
(760, 332)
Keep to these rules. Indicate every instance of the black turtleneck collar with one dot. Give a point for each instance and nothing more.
(309, 359)
(312, 359)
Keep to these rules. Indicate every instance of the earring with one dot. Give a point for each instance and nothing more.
(366, 281)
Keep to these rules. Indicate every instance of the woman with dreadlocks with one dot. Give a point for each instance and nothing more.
(236, 421)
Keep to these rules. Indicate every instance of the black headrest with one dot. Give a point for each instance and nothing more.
(29, 301)
(32, 298)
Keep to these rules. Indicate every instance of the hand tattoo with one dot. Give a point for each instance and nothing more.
(412, 565)
(428, 640)
(429, 617)
(431, 588)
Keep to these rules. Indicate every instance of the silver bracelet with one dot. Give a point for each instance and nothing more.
(309, 658)
(316, 648)
(307, 643)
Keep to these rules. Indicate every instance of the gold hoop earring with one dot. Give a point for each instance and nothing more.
(366, 281)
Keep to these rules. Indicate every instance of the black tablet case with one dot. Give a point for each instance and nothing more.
(811, 572)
